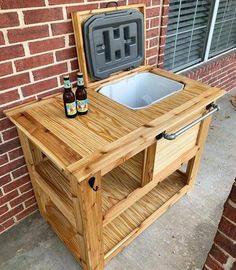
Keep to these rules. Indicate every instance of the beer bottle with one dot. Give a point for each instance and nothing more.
(69, 101)
(81, 95)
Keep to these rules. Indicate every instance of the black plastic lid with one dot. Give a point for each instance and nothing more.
(114, 41)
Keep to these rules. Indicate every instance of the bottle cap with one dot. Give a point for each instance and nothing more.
(79, 74)
(66, 76)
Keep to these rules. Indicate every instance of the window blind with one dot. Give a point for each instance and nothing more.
(186, 33)
(224, 35)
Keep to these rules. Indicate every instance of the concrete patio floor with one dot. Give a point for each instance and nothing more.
(179, 240)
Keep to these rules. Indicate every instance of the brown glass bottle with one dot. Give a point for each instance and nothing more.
(69, 102)
(81, 95)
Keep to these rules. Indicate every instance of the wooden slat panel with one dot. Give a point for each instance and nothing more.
(168, 151)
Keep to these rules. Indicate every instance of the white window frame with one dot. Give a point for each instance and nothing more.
(208, 42)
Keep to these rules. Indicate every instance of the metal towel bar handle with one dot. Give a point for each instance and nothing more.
(172, 136)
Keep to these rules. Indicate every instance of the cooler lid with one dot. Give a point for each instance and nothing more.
(113, 42)
(109, 42)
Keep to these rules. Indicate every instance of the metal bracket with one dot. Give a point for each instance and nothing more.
(91, 182)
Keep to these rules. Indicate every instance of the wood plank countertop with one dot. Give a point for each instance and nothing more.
(110, 133)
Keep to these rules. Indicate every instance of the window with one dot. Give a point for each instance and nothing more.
(224, 35)
(198, 30)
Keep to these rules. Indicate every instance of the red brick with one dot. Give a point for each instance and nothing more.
(39, 87)
(9, 19)
(10, 145)
(30, 202)
(71, 40)
(13, 81)
(104, 5)
(152, 33)
(164, 21)
(66, 54)
(234, 266)
(35, 61)
(153, 42)
(2, 41)
(27, 212)
(20, 171)
(50, 71)
(16, 153)
(28, 33)
(229, 212)
(74, 64)
(3, 209)
(165, 10)
(155, 2)
(152, 12)
(152, 61)
(4, 124)
(62, 28)
(154, 22)
(218, 254)
(5, 69)
(5, 179)
(225, 244)
(10, 52)
(163, 31)
(51, 92)
(6, 198)
(8, 96)
(213, 264)
(11, 166)
(6, 225)
(10, 134)
(228, 228)
(8, 4)
(15, 184)
(151, 52)
(232, 194)
(42, 15)
(80, 8)
(59, 2)
(26, 187)
(3, 159)
(46, 45)
(22, 198)
(11, 213)
(132, 2)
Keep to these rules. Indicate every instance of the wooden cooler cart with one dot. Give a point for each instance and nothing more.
(103, 178)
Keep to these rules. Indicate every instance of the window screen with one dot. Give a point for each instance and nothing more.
(186, 33)
(224, 35)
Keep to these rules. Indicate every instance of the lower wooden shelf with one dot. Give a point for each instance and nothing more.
(124, 228)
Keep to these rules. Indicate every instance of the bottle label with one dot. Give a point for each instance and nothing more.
(82, 105)
(71, 108)
(80, 81)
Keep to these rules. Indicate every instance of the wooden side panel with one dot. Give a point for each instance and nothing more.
(88, 206)
(194, 163)
(169, 151)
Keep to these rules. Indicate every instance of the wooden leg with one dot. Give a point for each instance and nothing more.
(193, 164)
(88, 213)
(148, 164)
(31, 160)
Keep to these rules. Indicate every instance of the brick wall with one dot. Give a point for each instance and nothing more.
(222, 255)
(36, 49)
